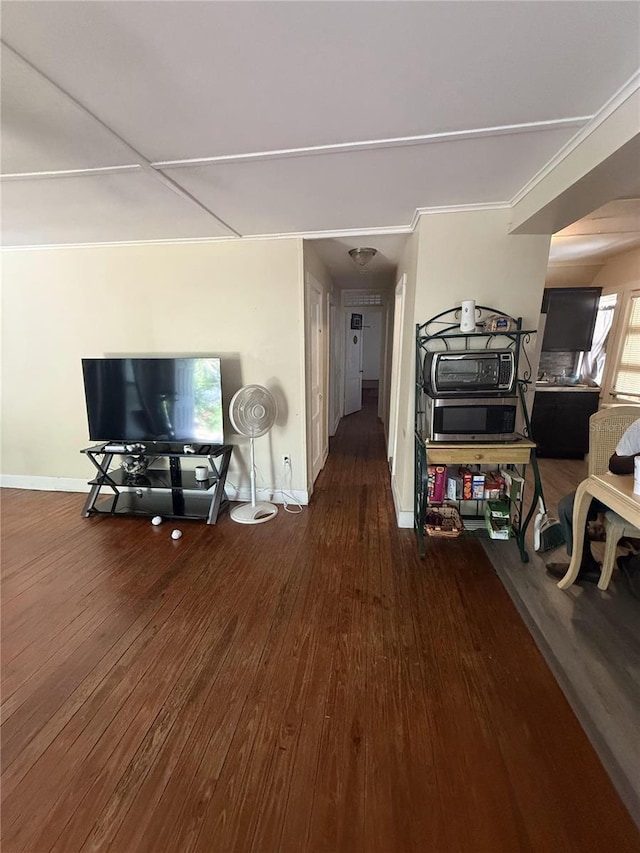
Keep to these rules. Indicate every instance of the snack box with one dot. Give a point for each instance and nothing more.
(493, 485)
(467, 483)
(454, 487)
(436, 483)
(513, 484)
(477, 486)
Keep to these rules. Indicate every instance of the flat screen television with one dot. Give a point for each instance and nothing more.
(161, 400)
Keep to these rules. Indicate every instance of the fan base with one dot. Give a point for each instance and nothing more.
(254, 513)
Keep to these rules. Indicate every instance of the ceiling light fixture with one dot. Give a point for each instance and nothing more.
(362, 256)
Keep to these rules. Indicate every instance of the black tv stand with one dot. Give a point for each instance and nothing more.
(171, 492)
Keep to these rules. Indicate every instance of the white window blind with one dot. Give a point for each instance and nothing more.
(627, 382)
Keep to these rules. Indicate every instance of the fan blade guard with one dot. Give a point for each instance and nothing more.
(253, 410)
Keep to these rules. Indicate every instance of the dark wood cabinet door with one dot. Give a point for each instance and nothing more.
(543, 421)
(570, 318)
(560, 422)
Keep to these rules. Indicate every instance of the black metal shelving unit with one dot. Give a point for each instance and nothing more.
(442, 332)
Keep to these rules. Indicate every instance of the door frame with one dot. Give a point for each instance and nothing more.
(335, 366)
(315, 358)
(396, 360)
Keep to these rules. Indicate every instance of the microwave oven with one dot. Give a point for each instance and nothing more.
(469, 372)
(471, 419)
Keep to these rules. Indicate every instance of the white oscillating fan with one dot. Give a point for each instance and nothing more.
(253, 412)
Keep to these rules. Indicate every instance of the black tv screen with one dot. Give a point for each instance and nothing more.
(136, 400)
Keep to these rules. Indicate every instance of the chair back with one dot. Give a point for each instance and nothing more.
(606, 428)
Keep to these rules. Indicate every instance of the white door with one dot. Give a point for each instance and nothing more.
(396, 357)
(315, 375)
(353, 367)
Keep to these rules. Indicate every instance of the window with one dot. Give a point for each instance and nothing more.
(591, 367)
(627, 381)
(358, 300)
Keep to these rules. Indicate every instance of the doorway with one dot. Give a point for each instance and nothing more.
(366, 352)
(353, 363)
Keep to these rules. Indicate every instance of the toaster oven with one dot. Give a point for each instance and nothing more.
(469, 372)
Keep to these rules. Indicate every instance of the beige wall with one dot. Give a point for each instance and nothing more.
(240, 300)
(468, 255)
(620, 273)
(572, 275)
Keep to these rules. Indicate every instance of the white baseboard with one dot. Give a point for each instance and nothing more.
(43, 484)
(71, 484)
(276, 496)
(403, 517)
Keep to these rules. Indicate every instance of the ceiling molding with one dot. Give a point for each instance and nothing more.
(329, 235)
(287, 235)
(458, 208)
(111, 244)
(69, 173)
(369, 144)
(626, 91)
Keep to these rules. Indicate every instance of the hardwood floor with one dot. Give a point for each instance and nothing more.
(303, 685)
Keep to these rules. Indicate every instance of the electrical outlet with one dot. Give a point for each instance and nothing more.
(286, 459)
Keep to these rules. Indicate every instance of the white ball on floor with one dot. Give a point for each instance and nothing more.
(157, 519)
(176, 534)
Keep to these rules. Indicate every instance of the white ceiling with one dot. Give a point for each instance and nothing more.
(579, 251)
(203, 120)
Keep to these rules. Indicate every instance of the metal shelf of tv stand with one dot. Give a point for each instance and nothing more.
(172, 492)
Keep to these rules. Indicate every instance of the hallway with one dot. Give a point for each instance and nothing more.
(303, 685)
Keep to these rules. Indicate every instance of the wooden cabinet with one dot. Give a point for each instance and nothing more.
(560, 422)
(570, 318)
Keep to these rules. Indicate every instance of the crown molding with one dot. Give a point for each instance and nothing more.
(328, 235)
(383, 231)
(457, 208)
(111, 244)
(626, 91)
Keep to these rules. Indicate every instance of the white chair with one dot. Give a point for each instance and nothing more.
(605, 431)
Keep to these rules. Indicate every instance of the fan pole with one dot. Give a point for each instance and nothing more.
(252, 478)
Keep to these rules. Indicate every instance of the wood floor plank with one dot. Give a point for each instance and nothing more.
(94, 734)
(76, 619)
(102, 805)
(100, 680)
(301, 686)
(61, 682)
(192, 783)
